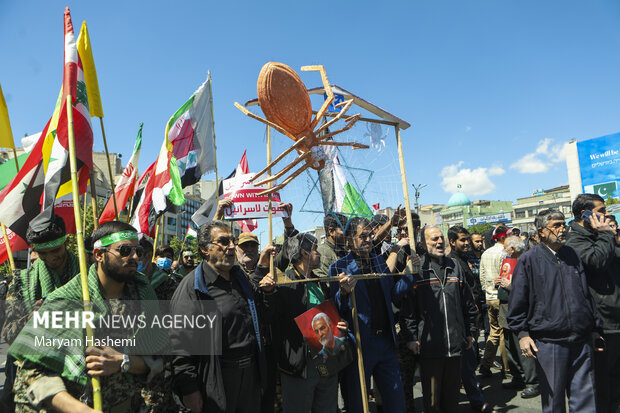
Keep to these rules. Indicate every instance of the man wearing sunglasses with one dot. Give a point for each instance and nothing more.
(592, 236)
(54, 268)
(230, 382)
(187, 262)
(55, 380)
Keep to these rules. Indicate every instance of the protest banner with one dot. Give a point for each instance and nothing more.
(247, 204)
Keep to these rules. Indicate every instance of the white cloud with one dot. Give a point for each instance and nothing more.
(467, 128)
(472, 181)
(545, 155)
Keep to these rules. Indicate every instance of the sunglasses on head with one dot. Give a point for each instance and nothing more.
(125, 250)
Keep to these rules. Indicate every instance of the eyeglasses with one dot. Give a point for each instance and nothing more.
(225, 241)
(126, 250)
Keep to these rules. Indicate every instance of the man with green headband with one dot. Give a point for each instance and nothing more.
(57, 379)
(54, 268)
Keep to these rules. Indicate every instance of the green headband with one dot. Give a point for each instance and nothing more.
(116, 237)
(49, 244)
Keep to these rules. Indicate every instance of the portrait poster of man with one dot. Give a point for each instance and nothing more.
(508, 267)
(318, 326)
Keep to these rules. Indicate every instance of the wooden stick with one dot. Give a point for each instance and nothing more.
(382, 122)
(282, 155)
(97, 402)
(360, 359)
(107, 157)
(403, 176)
(155, 239)
(287, 168)
(93, 199)
(8, 248)
(15, 157)
(369, 276)
(85, 209)
(270, 215)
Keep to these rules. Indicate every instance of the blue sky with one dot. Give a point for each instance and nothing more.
(492, 89)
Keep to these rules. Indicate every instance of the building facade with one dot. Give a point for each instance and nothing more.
(525, 209)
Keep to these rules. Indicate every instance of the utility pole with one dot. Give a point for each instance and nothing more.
(417, 196)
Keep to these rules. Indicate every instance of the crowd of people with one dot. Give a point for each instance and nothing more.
(411, 308)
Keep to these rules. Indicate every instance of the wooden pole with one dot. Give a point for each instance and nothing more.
(93, 199)
(107, 157)
(8, 248)
(97, 402)
(360, 359)
(156, 236)
(15, 157)
(129, 214)
(403, 176)
(85, 209)
(269, 217)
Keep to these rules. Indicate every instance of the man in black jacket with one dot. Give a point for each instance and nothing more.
(230, 382)
(459, 239)
(593, 239)
(308, 384)
(443, 323)
(554, 316)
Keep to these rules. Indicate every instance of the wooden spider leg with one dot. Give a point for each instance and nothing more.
(286, 181)
(285, 170)
(351, 121)
(328, 91)
(355, 145)
(265, 121)
(279, 158)
(346, 105)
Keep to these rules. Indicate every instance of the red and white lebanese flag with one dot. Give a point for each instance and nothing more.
(125, 187)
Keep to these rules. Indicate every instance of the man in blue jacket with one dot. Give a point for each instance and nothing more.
(553, 314)
(376, 319)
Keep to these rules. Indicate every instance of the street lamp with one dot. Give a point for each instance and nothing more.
(417, 195)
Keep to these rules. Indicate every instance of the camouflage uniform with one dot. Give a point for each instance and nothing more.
(157, 394)
(17, 308)
(121, 392)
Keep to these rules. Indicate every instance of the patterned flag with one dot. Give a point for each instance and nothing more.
(90, 73)
(56, 139)
(125, 187)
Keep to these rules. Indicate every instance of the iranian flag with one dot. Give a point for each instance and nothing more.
(126, 185)
(338, 194)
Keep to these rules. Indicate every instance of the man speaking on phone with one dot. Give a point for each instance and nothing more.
(593, 239)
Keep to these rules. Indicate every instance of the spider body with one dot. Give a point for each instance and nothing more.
(284, 100)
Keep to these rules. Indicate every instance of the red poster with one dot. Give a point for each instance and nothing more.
(319, 328)
(508, 267)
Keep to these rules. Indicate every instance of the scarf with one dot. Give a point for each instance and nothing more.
(39, 281)
(69, 360)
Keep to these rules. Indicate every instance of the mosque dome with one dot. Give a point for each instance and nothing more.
(458, 199)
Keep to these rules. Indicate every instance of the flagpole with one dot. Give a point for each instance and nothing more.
(156, 236)
(358, 345)
(85, 209)
(97, 402)
(8, 248)
(269, 217)
(217, 182)
(15, 157)
(403, 175)
(93, 199)
(129, 214)
(107, 157)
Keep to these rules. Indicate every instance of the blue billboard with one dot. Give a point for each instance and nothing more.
(599, 163)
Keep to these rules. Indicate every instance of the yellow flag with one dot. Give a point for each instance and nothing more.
(6, 136)
(90, 73)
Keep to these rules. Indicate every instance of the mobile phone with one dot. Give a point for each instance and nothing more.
(586, 215)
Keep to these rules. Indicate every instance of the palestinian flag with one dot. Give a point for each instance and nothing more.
(190, 131)
(338, 194)
(191, 232)
(125, 187)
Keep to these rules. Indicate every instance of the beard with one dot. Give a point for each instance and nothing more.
(115, 272)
